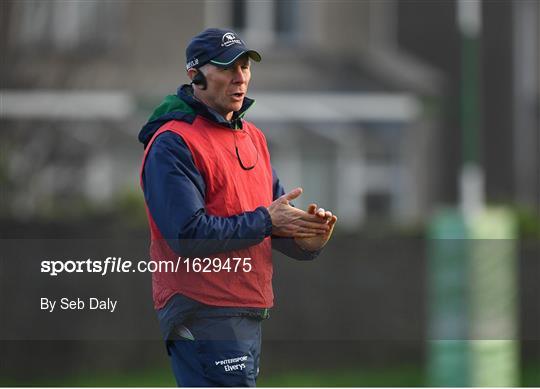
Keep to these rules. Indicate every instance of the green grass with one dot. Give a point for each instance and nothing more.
(153, 377)
(162, 377)
(404, 376)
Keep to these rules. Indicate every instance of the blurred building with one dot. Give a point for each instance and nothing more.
(360, 104)
(357, 98)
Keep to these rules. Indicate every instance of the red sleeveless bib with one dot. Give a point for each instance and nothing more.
(230, 190)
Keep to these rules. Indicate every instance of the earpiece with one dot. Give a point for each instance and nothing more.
(199, 79)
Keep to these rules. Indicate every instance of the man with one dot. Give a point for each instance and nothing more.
(214, 200)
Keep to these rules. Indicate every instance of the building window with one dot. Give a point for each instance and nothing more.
(378, 206)
(266, 21)
(239, 15)
(285, 19)
(65, 25)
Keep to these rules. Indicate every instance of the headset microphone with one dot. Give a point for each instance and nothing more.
(199, 79)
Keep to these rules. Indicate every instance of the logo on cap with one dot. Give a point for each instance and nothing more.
(192, 63)
(230, 39)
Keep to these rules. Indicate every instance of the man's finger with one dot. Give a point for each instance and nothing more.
(305, 235)
(332, 221)
(313, 225)
(293, 194)
(311, 208)
(316, 231)
(308, 217)
(320, 212)
(303, 215)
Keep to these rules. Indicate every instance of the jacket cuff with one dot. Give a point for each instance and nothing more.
(306, 254)
(267, 221)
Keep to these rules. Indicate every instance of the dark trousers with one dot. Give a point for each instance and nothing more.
(217, 351)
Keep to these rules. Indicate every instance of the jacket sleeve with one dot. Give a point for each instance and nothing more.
(174, 191)
(288, 246)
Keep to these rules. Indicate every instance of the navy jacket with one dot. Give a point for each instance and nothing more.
(170, 173)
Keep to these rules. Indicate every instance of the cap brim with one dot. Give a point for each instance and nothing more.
(232, 55)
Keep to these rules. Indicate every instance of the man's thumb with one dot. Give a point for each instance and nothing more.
(293, 194)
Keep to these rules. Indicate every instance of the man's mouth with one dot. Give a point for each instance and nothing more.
(238, 96)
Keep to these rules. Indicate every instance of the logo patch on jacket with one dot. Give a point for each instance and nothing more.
(233, 364)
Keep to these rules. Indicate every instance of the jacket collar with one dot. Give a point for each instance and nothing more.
(185, 92)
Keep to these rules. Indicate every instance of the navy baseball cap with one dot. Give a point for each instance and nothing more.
(218, 47)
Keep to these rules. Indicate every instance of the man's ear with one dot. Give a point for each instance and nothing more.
(198, 79)
(191, 73)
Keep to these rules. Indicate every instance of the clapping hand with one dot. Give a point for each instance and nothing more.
(317, 242)
(288, 221)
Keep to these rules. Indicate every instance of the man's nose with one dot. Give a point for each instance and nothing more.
(239, 77)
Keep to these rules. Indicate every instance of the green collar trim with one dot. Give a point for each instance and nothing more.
(170, 104)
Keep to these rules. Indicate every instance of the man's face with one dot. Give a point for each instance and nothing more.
(226, 87)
